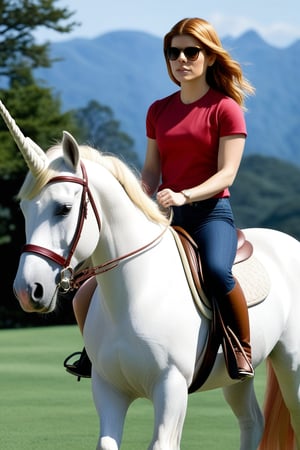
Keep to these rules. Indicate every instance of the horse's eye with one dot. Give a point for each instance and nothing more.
(64, 209)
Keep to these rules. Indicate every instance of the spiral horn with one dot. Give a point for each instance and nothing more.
(33, 155)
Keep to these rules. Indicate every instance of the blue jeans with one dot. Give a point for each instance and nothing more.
(211, 225)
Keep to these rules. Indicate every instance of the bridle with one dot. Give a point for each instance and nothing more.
(70, 280)
(67, 272)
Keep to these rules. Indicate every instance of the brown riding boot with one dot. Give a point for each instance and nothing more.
(235, 313)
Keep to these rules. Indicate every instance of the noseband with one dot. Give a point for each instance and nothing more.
(68, 279)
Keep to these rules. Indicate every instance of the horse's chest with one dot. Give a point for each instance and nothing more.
(131, 364)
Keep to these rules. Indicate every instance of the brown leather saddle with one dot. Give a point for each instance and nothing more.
(244, 251)
(217, 329)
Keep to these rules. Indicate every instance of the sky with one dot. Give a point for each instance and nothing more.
(278, 23)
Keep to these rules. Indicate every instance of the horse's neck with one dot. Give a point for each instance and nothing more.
(124, 232)
(124, 227)
(121, 239)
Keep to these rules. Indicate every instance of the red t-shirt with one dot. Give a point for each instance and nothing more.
(188, 136)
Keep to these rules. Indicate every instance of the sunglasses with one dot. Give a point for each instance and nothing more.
(191, 53)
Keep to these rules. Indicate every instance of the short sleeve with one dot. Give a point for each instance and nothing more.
(150, 121)
(231, 118)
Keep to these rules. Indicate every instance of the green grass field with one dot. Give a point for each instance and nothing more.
(44, 408)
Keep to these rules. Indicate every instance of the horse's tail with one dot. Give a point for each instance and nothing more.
(278, 432)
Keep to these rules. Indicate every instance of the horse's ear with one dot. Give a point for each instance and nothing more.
(70, 150)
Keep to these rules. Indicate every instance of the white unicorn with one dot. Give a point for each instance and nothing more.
(144, 332)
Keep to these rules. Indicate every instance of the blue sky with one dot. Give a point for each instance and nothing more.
(278, 23)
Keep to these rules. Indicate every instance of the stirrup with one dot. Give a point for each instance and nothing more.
(246, 373)
(81, 368)
(238, 365)
(244, 365)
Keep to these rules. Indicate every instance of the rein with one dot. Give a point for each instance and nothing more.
(70, 280)
(108, 265)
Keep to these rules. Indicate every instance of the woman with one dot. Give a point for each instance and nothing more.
(195, 142)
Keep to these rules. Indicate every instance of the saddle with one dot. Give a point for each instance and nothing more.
(244, 252)
(217, 328)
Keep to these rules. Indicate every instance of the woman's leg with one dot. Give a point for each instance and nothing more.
(82, 367)
(234, 311)
(82, 300)
(217, 241)
(212, 226)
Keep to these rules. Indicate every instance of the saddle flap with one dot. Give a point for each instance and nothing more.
(244, 251)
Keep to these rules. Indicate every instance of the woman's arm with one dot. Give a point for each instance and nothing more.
(151, 170)
(229, 158)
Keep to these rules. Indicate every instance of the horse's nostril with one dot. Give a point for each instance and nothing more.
(38, 292)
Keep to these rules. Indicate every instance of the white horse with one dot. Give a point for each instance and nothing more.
(143, 331)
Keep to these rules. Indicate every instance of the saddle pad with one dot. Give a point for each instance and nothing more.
(254, 280)
(250, 273)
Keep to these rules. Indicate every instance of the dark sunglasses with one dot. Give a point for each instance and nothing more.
(191, 53)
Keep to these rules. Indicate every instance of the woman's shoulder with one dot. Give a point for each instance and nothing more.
(219, 97)
(222, 104)
(162, 102)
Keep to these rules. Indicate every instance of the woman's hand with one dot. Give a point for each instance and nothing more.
(167, 198)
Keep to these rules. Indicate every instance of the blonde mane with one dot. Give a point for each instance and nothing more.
(128, 179)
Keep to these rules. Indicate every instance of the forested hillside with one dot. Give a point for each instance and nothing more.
(266, 193)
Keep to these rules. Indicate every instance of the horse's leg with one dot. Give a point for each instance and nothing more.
(112, 407)
(285, 360)
(243, 402)
(170, 404)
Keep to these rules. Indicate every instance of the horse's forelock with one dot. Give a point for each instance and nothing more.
(34, 184)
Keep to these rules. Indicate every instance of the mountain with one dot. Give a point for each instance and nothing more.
(125, 70)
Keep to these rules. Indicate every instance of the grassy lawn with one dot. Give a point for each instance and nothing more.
(44, 408)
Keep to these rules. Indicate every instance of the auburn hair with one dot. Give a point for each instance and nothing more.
(225, 75)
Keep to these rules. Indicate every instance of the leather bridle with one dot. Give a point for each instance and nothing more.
(70, 280)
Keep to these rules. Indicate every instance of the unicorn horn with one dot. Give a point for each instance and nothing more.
(34, 156)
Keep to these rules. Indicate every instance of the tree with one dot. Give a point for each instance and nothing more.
(19, 19)
(35, 109)
(37, 113)
(101, 130)
(33, 106)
